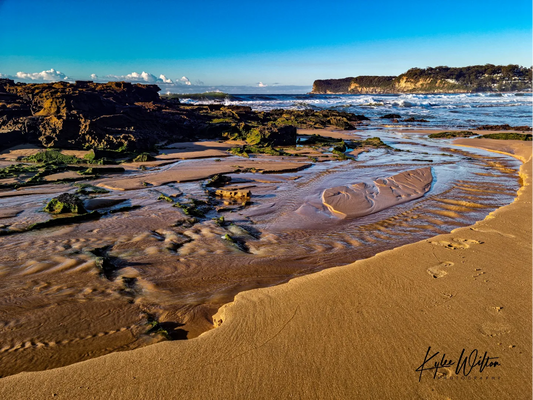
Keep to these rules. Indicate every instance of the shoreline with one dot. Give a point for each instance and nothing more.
(295, 326)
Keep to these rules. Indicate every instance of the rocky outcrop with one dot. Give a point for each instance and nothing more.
(476, 78)
(112, 115)
(133, 117)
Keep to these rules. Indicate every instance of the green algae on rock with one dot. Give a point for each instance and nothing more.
(507, 136)
(65, 203)
(451, 134)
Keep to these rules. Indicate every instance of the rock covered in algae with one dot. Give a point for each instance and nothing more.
(65, 203)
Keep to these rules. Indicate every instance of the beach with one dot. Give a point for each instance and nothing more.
(296, 207)
(142, 224)
(363, 328)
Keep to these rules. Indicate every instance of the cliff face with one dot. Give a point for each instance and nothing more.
(396, 85)
(327, 86)
(433, 80)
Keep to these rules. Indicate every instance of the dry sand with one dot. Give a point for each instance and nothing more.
(358, 331)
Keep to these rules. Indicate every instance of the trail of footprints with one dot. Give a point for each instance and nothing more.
(35, 344)
(456, 243)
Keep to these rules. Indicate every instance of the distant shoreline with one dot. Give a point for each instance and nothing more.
(471, 79)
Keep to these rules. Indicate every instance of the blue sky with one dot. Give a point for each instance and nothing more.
(267, 44)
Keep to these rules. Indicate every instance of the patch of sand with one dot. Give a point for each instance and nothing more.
(23, 150)
(64, 175)
(198, 170)
(9, 212)
(192, 150)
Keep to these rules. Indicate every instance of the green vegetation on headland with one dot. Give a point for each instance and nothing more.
(443, 79)
(451, 134)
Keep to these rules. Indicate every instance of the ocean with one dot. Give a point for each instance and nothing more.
(461, 111)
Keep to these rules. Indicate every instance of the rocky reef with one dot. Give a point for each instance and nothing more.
(477, 78)
(134, 118)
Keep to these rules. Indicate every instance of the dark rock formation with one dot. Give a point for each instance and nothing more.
(129, 117)
(65, 203)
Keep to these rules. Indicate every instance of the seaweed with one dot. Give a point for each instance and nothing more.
(375, 142)
(239, 151)
(451, 134)
(190, 209)
(85, 188)
(17, 169)
(237, 243)
(508, 136)
(220, 221)
(144, 157)
(52, 156)
(218, 180)
(165, 198)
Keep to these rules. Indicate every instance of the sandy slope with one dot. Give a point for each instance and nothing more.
(358, 331)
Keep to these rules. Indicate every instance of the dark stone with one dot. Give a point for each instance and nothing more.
(391, 116)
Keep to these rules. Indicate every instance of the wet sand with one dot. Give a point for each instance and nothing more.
(336, 314)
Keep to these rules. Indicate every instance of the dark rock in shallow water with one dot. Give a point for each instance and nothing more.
(391, 116)
(413, 119)
(95, 204)
(65, 203)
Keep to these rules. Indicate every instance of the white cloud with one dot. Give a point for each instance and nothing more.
(136, 77)
(165, 79)
(143, 77)
(185, 80)
(45, 76)
(261, 84)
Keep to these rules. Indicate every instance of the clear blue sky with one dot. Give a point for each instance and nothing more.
(246, 42)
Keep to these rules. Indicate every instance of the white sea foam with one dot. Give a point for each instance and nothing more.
(451, 110)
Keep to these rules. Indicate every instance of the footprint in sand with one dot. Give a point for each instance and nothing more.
(456, 243)
(492, 329)
(438, 271)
